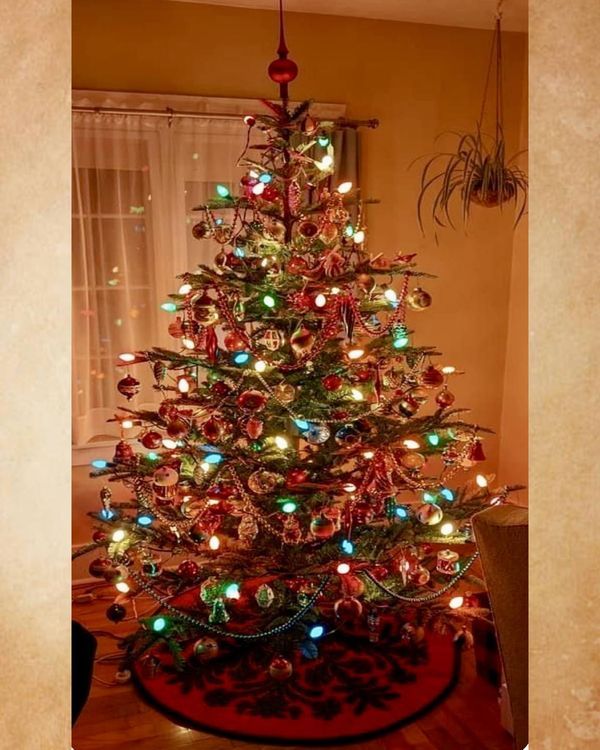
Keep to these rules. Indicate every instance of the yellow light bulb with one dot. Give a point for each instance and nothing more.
(448, 369)
(185, 289)
(326, 162)
(411, 444)
(358, 237)
(343, 568)
(456, 602)
(119, 535)
(214, 542)
(127, 424)
(481, 481)
(368, 454)
(122, 587)
(355, 353)
(281, 443)
(260, 365)
(447, 529)
(335, 290)
(356, 394)
(344, 188)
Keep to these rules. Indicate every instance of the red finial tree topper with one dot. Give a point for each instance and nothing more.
(282, 70)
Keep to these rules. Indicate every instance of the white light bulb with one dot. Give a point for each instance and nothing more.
(188, 343)
(260, 365)
(326, 162)
(281, 443)
(390, 295)
(481, 481)
(127, 424)
(368, 454)
(127, 357)
(410, 444)
(358, 237)
(456, 602)
(183, 385)
(259, 188)
(335, 290)
(169, 444)
(356, 394)
(185, 289)
(122, 587)
(448, 369)
(343, 568)
(447, 529)
(214, 542)
(320, 300)
(119, 535)
(355, 353)
(344, 188)
(349, 487)
(205, 466)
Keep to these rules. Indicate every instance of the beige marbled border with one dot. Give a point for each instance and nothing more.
(564, 362)
(34, 379)
(35, 374)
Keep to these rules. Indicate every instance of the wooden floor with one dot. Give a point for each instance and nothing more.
(116, 719)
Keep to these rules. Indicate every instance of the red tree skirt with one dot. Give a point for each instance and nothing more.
(353, 691)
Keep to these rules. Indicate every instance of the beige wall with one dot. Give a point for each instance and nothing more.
(419, 81)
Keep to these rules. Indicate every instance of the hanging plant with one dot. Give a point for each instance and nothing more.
(477, 171)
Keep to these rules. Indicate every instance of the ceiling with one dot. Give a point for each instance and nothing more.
(478, 14)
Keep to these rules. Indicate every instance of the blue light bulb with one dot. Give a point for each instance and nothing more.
(316, 631)
(265, 177)
(401, 512)
(159, 624)
(302, 424)
(447, 494)
(347, 546)
(99, 463)
(168, 307)
(213, 458)
(241, 358)
(144, 519)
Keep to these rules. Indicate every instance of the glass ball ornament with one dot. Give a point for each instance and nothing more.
(429, 514)
(97, 568)
(432, 377)
(322, 527)
(332, 382)
(419, 299)
(295, 477)
(151, 440)
(348, 609)
(233, 342)
(253, 427)
(302, 341)
(348, 435)
(408, 407)
(280, 669)
(201, 230)
(282, 70)
(128, 387)
(116, 612)
(412, 460)
(285, 393)
(419, 576)
(308, 229)
(212, 429)
(352, 585)
(177, 428)
(205, 649)
(317, 434)
(188, 570)
(444, 398)
(262, 482)
(251, 400)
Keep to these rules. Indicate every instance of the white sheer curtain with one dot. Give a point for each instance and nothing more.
(135, 180)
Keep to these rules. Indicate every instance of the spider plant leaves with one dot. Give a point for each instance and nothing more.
(477, 171)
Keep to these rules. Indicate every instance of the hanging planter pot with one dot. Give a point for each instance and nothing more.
(477, 172)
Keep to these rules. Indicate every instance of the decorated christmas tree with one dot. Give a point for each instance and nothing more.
(298, 482)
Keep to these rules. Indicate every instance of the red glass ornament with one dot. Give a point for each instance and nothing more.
(220, 389)
(128, 387)
(332, 382)
(98, 567)
(340, 414)
(212, 429)
(167, 411)
(408, 407)
(234, 342)
(116, 612)
(302, 341)
(99, 537)
(445, 398)
(280, 669)
(476, 453)
(177, 428)
(270, 193)
(432, 377)
(379, 572)
(282, 70)
(123, 452)
(352, 585)
(188, 570)
(364, 374)
(151, 440)
(348, 609)
(301, 302)
(322, 527)
(201, 230)
(254, 428)
(296, 476)
(251, 400)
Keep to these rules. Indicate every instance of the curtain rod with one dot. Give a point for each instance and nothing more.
(175, 113)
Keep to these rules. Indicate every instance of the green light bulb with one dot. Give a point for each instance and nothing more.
(269, 301)
(222, 191)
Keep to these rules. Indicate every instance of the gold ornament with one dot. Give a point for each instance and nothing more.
(262, 482)
(419, 299)
(284, 392)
